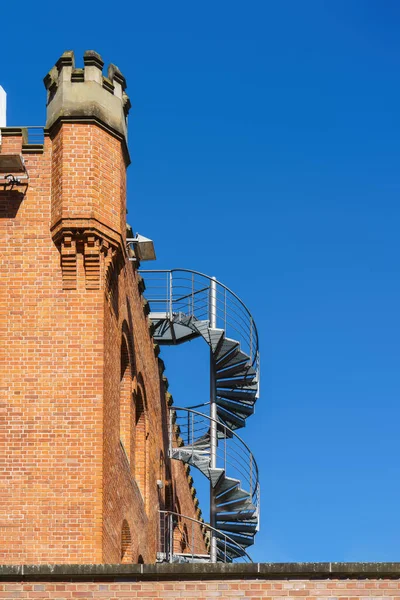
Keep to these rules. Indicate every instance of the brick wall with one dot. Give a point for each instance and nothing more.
(75, 479)
(322, 581)
(52, 380)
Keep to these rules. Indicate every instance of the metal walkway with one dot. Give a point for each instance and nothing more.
(186, 305)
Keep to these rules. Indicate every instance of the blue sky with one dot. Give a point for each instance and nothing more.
(264, 139)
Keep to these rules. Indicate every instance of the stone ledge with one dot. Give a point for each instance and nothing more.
(138, 572)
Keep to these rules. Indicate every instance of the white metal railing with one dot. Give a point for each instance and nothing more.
(232, 453)
(183, 539)
(189, 292)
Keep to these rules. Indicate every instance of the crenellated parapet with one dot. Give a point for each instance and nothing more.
(87, 124)
(87, 93)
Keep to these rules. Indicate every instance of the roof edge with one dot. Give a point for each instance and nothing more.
(311, 570)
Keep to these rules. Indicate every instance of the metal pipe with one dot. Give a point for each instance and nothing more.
(170, 295)
(171, 538)
(171, 417)
(213, 423)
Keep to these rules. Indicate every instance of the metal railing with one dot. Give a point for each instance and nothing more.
(184, 291)
(184, 539)
(232, 453)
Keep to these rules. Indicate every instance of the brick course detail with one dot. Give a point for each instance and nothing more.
(322, 581)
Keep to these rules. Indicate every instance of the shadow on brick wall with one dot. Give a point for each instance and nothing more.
(10, 201)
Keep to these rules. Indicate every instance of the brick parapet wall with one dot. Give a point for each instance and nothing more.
(203, 581)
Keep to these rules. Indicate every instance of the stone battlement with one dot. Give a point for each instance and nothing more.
(86, 94)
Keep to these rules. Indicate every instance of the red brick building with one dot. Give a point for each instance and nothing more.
(87, 432)
(84, 465)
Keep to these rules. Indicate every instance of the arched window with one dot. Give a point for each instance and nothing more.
(184, 538)
(141, 442)
(140, 560)
(125, 414)
(176, 528)
(169, 497)
(126, 544)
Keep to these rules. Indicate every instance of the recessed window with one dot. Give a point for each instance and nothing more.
(126, 544)
(141, 442)
(125, 419)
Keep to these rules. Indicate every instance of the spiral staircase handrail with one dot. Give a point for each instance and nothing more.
(238, 327)
(184, 305)
(209, 527)
(255, 486)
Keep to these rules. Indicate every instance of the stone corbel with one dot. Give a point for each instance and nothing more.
(68, 261)
(92, 261)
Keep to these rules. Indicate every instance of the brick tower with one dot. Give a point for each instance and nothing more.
(83, 412)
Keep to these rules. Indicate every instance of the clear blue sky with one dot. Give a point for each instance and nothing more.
(265, 151)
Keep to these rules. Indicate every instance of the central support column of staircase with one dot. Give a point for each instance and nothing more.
(213, 427)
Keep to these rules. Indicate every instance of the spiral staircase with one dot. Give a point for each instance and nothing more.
(186, 305)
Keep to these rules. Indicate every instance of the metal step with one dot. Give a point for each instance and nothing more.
(198, 460)
(203, 328)
(243, 410)
(235, 493)
(231, 420)
(239, 505)
(169, 334)
(242, 540)
(183, 319)
(224, 432)
(241, 528)
(225, 348)
(216, 338)
(240, 382)
(215, 476)
(238, 517)
(226, 483)
(243, 368)
(245, 396)
(229, 424)
(235, 357)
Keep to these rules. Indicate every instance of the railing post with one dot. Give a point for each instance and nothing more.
(192, 434)
(193, 547)
(213, 425)
(251, 340)
(251, 475)
(192, 294)
(170, 432)
(171, 537)
(170, 295)
(225, 448)
(225, 310)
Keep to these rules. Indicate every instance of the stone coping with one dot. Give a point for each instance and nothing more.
(133, 572)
